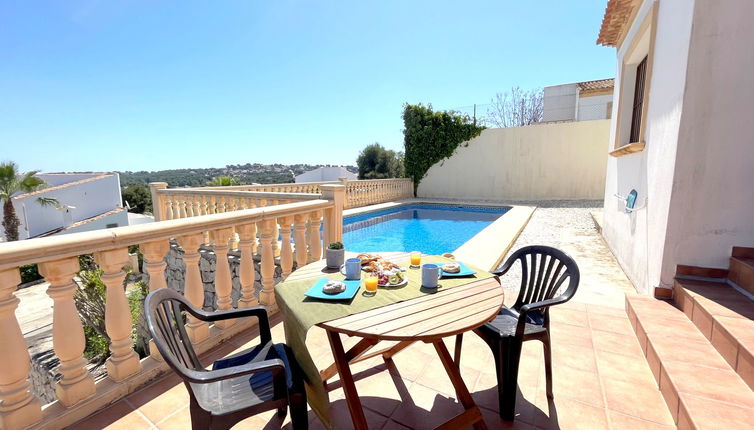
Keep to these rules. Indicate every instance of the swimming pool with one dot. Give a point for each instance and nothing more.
(429, 228)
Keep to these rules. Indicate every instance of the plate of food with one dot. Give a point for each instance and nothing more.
(391, 278)
(373, 263)
(455, 269)
(331, 289)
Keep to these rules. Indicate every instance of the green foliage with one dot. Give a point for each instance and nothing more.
(29, 273)
(90, 303)
(140, 334)
(12, 182)
(335, 245)
(376, 162)
(139, 198)
(431, 136)
(246, 173)
(223, 181)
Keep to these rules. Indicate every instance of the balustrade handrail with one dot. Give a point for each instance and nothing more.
(39, 250)
(239, 194)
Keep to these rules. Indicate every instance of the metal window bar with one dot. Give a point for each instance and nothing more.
(641, 74)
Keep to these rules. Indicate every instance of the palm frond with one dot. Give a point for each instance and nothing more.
(48, 201)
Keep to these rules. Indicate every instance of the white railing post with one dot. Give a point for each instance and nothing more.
(154, 254)
(223, 286)
(123, 362)
(299, 238)
(18, 407)
(248, 237)
(286, 252)
(194, 288)
(158, 205)
(68, 341)
(267, 295)
(315, 241)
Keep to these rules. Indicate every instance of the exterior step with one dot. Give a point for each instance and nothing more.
(725, 317)
(701, 390)
(741, 272)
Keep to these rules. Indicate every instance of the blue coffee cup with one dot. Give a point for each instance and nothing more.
(352, 269)
(430, 275)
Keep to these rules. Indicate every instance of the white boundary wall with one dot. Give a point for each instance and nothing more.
(561, 161)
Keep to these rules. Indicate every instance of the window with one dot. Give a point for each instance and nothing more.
(641, 76)
(609, 110)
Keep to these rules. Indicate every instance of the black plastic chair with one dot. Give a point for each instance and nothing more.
(238, 386)
(544, 270)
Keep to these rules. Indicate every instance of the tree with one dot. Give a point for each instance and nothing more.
(376, 162)
(223, 181)
(12, 182)
(138, 197)
(516, 108)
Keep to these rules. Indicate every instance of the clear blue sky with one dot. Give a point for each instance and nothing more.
(149, 85)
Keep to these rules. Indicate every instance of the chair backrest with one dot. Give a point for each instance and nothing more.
(166, 324)
(544, 270)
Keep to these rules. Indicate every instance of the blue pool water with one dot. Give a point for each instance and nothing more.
(431, 229)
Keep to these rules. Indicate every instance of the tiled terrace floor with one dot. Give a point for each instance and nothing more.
(601, 378)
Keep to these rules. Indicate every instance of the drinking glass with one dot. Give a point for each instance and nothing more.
(416, 259)
(370, 283)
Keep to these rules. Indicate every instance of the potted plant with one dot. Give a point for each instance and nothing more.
(334, 255)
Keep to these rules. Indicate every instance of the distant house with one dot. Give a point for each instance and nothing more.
(326, 174)
(579, 101)
(88, 201)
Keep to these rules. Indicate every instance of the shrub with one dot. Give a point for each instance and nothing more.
(430, 136)
(29, 273)
(335, 245)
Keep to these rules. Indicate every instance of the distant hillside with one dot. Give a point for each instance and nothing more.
(246, 173)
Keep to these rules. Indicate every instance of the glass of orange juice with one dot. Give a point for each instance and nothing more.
(416, 259)
(370, 283)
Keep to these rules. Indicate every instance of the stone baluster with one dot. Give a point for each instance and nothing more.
(194, 288)
(18, 407)
(168, 213)
(248, 236)
(333, 217)
(275, 234)
(190, 206)
(182, 203)
(211, 208)
(286, 252)
(204, 205)
(267, 295)
(223, 286)
(76, 383)
(154, 254)
(315, 241)
(299, 237)
(123, 362)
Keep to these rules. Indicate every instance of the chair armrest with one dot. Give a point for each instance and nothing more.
(525, 309)
(257, 311)
(276, 366)
(502, 270)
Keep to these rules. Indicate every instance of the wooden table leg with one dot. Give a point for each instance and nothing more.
(472, 414)
(346, 379)
(355, 352)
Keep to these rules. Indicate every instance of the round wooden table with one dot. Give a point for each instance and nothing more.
(426, 319)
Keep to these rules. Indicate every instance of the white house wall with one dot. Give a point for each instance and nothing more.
(595, 107)
(559, 102)
(638, 239)
(713, 191)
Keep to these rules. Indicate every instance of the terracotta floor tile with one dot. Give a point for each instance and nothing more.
(485, 394)
(562, 315)
(740, 328)
(606, 310)
(698, 352)
(665, 327)
(638, 400)
(341, 418)
(745, 363)
(425, 408)
(577, 357)
(709, 414)
(620, 421)
(610, 323)
(725, 344)
(118, 416)
(716, 384)
(617, 343)
(567, 334)
(393, 425)
(576, 384)
(621, 368)
(161, 398)
(565, 414)
(176, 421)
(493, 421)
(435, 377)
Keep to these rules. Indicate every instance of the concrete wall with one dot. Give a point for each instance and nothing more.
(547, 161)
(324, 174)
(713, 192)
(54, 179)
(120, 219)
(559, 102)
(89, 199)
(592, 108)
(638, 239)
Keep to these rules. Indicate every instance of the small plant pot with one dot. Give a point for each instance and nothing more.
(334, 258)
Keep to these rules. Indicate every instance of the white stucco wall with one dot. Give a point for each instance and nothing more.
(547, 161)
(90, 199)
(54, 179)
(120, 219)
(713, 192)
(559, 102)
(595, 107)
(638, 239)
(326, 174)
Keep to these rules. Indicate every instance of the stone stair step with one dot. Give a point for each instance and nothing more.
(701, 390)
(725, 317)
(741, 272)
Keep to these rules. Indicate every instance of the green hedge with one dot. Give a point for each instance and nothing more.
(430, 136)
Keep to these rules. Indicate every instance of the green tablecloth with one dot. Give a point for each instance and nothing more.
(301, 313)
